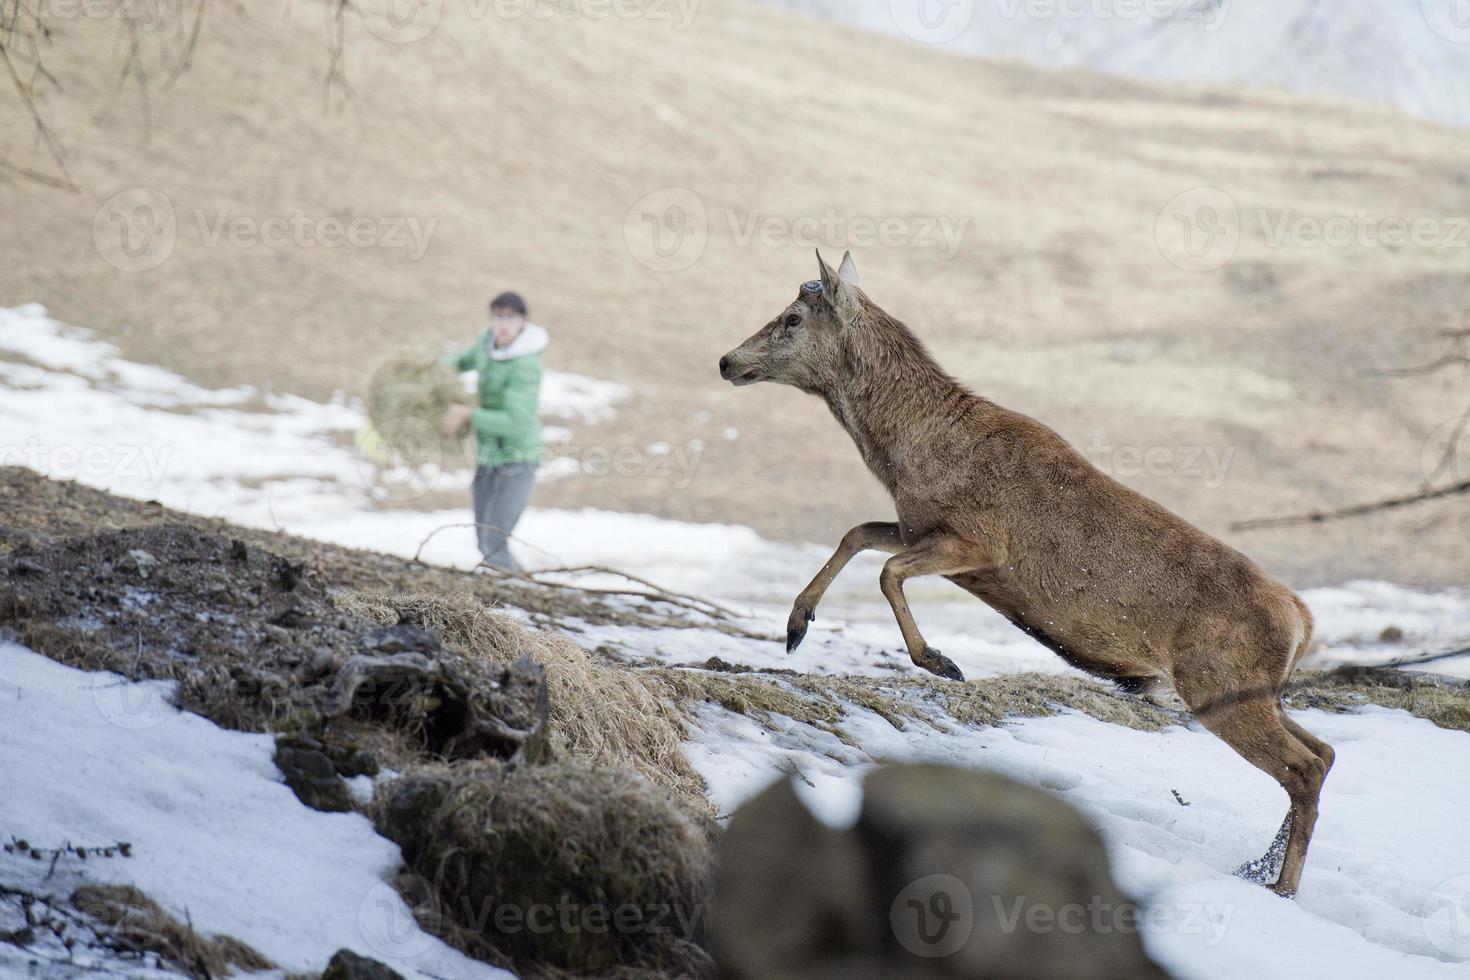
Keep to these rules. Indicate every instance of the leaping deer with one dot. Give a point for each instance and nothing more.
(1003, 507)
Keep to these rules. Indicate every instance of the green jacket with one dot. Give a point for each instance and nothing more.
(505, 424)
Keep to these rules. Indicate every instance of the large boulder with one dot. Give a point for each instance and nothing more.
(947, 873)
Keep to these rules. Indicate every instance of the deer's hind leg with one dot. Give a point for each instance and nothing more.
(873, 536)
(1255, 726)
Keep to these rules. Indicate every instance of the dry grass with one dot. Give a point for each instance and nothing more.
(1444, 702)
(602, 713)
(488, 836)
(407, 396)
(137, 924)
(610, 713)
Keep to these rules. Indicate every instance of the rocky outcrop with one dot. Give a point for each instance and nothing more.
(947, 873)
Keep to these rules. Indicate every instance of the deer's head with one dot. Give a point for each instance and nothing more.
(803, 346)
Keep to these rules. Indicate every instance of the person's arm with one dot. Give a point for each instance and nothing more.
(465, 360)
(521, 394)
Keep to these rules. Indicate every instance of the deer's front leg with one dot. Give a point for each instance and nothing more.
(874, 536)
(934, 555)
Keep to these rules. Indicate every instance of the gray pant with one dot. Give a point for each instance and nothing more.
(500, 494)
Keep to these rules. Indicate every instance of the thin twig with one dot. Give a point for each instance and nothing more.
(42, 130)
(1357, 510)
(604, 570)
(1427, 658)
(475, 524)
(656, 594)
(186, 60)
(336, 50)
(1448, 360)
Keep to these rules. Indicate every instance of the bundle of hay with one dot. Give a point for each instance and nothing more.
(407, 397)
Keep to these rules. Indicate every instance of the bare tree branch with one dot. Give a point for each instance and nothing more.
(27, 98)
(336, 50)
(186, 60)
(1358, 510)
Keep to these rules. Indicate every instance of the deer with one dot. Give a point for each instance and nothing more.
(1003, 507)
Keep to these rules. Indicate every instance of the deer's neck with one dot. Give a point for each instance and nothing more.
(901, 409)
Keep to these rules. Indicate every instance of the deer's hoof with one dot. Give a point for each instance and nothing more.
(937, 663)
(796, 627)
(1284, 890)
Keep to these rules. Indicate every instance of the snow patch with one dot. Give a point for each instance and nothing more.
(217, 838)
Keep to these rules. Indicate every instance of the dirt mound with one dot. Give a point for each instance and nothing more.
(256, 642)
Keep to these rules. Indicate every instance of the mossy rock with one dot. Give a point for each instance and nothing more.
(562, 865)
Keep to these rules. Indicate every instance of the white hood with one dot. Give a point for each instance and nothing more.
(532, 339)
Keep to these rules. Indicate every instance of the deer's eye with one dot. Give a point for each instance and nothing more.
(793, 320)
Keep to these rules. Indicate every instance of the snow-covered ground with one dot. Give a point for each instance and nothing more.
(75, 409)
(1414, 54)
(1387, 887)
(216, 837)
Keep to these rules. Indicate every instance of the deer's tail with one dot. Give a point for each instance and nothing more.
(1301, 634)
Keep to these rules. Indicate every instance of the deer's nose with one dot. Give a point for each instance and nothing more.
(724, 365)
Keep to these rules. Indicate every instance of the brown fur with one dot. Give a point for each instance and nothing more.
(1003, 507)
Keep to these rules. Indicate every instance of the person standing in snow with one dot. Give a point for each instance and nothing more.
(507, 359)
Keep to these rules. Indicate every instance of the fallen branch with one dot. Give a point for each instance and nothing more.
(717, 608)
(1358, 510)
(703, 607)
(1426, 658)
(651, 591)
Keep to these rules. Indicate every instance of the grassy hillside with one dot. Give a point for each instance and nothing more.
(1023, 212)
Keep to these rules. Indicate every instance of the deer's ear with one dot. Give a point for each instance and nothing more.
(828, 277)
(848, 271)
(837, 289)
